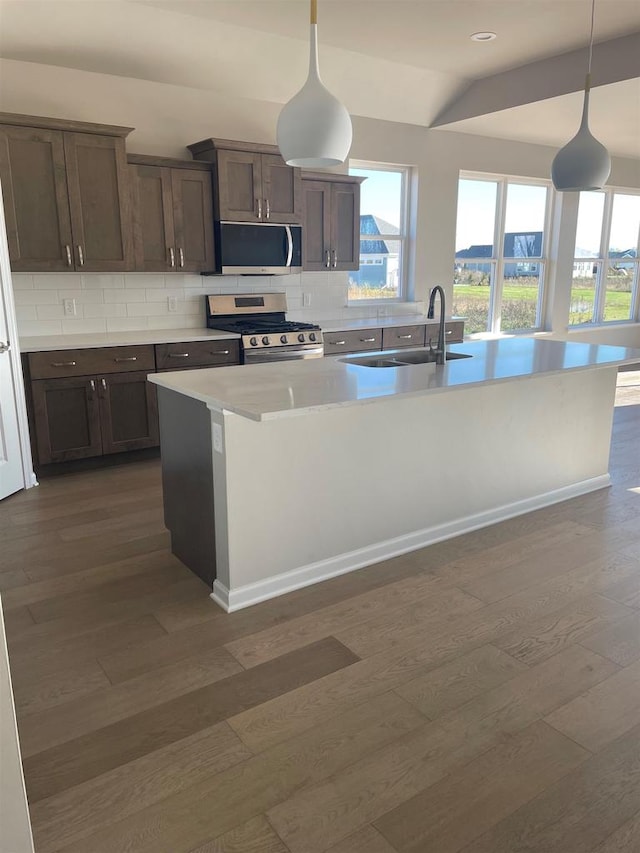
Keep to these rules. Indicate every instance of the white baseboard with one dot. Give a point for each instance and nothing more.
(254, 593)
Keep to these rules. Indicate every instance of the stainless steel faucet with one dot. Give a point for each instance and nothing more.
(441, 352)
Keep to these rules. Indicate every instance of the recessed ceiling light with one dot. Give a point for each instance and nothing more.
(483, 36)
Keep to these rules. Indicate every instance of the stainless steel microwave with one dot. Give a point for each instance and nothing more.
(258, 248)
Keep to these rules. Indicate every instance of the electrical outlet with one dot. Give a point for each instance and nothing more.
(306, 300)
(69, 307)
(172, 303)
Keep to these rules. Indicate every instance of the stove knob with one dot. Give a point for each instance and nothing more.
(312, 336)
(301, 338)
(265, 341)
(283, 339)
(254, 342)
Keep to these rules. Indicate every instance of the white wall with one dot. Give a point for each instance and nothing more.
(166, 118)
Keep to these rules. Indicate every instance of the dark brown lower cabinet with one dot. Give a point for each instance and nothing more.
(128, 412)
(83, 416)
(66, 414)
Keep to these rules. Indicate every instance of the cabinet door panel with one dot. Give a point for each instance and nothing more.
(345, 226)
(66, 419)
(394, 337)
(282, 190)
(239, 185)
(34, 185)
(128, 411)
(152, 218)
(99, 200)
(193, 217)
(317, 225)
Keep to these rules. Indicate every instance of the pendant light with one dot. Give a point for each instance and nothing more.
(314, 128)
(583, 163)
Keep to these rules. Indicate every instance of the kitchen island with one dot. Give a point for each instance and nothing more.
(280, 476)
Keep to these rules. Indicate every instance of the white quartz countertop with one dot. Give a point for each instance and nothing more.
(266, 391)
(40, 343)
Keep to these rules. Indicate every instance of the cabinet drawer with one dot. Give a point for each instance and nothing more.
(197, 354)
(363, 339)
(82, 362)
(403, 336)
(454, 331)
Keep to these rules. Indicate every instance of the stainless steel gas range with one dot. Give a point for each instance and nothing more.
(266, 334)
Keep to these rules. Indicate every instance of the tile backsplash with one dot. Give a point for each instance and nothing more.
(68, 303)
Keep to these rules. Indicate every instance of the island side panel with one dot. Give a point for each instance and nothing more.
(336, 489)
(187, 481)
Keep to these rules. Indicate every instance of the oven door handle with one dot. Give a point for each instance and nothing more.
(289, 246)
(284, 354)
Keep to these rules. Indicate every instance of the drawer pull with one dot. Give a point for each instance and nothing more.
(220, 352)
(178, 355)
(63, 364)
(367, 340)
(338, 343)
(405, 337)
(449, 331)
(127, 358)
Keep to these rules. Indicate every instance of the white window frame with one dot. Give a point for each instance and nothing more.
(601, 262)
(498, 259)
(402, 238)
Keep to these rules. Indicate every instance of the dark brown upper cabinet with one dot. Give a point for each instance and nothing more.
(253, 182)
(172, 215)
(331, 232)
(66, 195)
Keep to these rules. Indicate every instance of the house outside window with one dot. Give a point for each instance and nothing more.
(384, 204)
(501, 245)
(606, 268)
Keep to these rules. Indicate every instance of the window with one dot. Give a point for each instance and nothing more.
(501, 244)
(383, 233)
(605, 286)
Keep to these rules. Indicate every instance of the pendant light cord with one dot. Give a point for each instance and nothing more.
(314, 11)
(593, 15)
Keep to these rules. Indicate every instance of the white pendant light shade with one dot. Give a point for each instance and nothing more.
(583, 163)
(314, 128)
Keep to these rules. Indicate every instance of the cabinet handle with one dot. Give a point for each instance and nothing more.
(92, 386)
(63, 364)
(181, 256)
(328, 262)
(449, 331)
(103, 382)
(80, 255)
(404, 337)
(125, 358)
(337, 343)
(367, 340)
(267, 208)
(219, 352)
(335, 259)
(172, 257)
(178, 355)
(67, 249)
(259, 208)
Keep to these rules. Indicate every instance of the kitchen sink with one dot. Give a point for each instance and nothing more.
(422, 356)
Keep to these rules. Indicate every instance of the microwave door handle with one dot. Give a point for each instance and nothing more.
(290, 246)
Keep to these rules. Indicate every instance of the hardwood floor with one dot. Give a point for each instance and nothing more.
(481, 695)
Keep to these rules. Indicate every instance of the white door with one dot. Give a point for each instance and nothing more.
(15, 457)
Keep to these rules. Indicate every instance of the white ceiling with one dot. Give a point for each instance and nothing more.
(401, 60)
